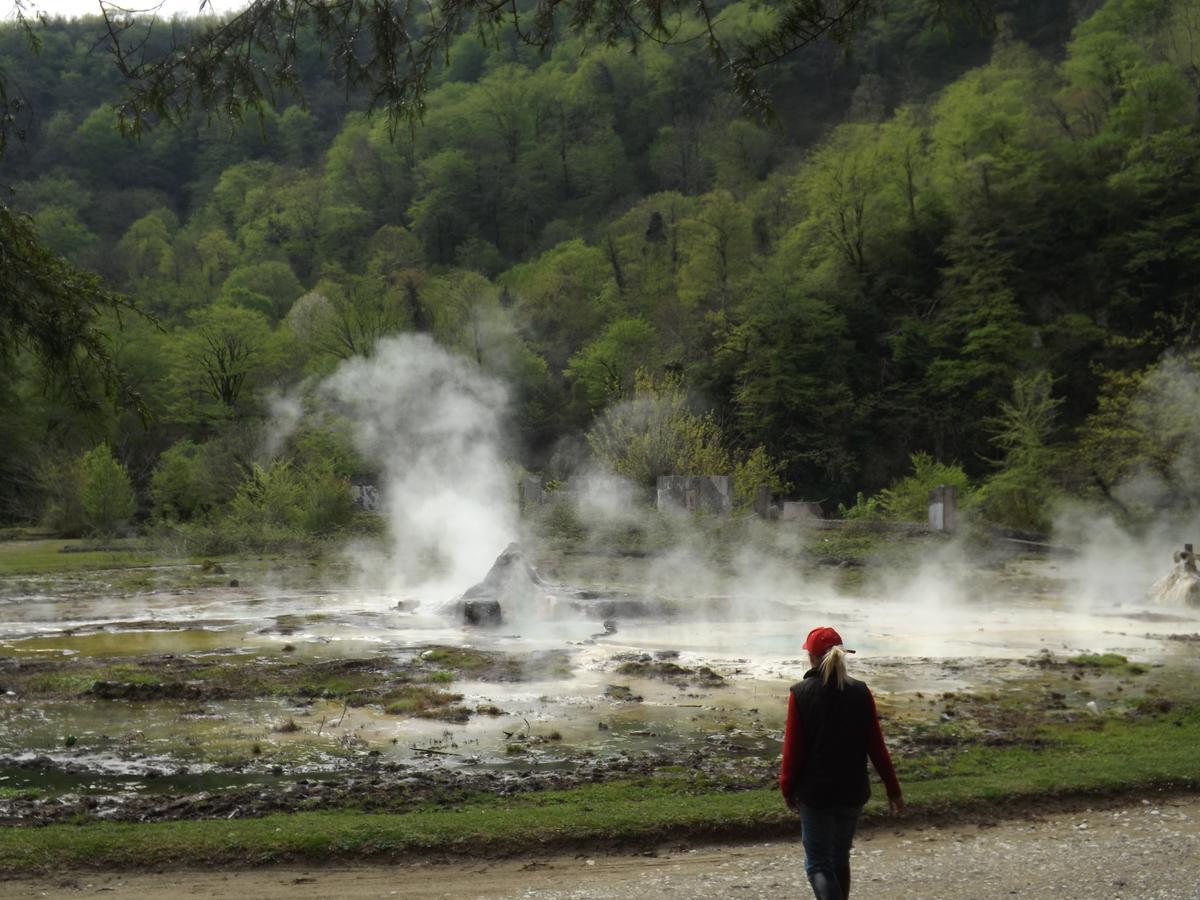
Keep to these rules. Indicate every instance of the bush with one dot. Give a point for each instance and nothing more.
(656, 433)
(105, 492)
(1022, 492)
(268, 497)
(908, 498)
(325, 504)
(754, 469)
(183, 485)
(59, 480)
(864, 508)
(312, 499)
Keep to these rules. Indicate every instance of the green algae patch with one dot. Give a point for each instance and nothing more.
(1110, 662)
(425, 702)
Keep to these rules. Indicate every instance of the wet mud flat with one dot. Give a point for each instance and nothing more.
(193, 699)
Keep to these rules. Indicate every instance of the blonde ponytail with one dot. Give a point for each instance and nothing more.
(833, 663)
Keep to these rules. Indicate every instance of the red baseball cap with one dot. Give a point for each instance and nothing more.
(820, 639)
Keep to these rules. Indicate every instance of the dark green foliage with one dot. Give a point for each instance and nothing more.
(859, 289)
(392, 53)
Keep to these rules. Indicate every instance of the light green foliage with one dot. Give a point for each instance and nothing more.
(216, 254)
(280, 497)
(467, 314)
(184, 485)
(298, 135)
(865, 508)
(394, 249)
(1141, 444)
(1021, 494)
(442, 215)
(908, 499)
(986, 136)
(225, 355)
(604, 371)
(63, 232)
(744, 155)
(241, 191)
(754, 470)
(61, 484)
(106, 495)
(272, 280)
(147, 249)
(328, 444)
(369, 169)
(562, 296)
(841, 292)
(840, 189)
(717, 246)
(657, 433)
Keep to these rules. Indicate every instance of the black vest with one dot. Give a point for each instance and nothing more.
(835, 724)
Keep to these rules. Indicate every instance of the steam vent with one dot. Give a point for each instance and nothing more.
(1182, 586)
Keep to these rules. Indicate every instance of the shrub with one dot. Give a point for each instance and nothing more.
(325, 503)
(105, 492)
(864, 508)
(1023, 489)
(183, 486)
(908, 498)
(268, 497)
(59, 479)
(754, 469)
(311, 499)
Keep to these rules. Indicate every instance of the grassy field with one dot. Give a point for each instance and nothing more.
(1130, 755)
(63, 556)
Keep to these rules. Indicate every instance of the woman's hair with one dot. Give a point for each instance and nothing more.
(833, 664)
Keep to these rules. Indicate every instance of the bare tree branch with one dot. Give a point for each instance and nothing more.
(389, 48)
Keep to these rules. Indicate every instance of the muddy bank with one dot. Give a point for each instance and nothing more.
(722, 748)
(371, 785)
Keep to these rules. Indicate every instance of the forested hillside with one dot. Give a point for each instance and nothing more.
(976, 254)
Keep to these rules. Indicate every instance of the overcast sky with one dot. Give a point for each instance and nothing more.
(167, 8)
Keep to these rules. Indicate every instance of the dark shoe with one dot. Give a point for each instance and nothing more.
(825, 886)
(843, 877)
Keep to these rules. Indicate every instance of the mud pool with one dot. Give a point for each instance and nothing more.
(175, 683)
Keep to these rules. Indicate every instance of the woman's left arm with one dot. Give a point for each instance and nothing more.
(880, 758)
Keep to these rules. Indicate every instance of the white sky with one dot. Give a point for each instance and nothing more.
(73, 8)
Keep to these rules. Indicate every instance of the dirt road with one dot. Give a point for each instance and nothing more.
(1143, 850)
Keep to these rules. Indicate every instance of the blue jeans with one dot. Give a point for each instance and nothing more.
(827, 835)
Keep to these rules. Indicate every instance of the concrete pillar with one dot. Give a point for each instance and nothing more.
(943, 507)
(531, 491)
(762, 501)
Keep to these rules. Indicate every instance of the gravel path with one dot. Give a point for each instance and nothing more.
(1148, 850)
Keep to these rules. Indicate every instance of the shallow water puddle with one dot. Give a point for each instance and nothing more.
(582, 706)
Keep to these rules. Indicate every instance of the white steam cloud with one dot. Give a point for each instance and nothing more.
(434, 425)
(1118, 563)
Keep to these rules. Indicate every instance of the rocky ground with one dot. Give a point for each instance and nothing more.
(1147, 849)
(385, 787)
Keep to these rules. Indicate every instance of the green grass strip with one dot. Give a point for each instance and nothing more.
(1103, 757)
(47, 557)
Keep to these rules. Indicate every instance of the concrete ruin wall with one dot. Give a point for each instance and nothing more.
(364, 490)
(800, 511)
(695, 493)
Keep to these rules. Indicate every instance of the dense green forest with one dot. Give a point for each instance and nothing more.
(959, 256)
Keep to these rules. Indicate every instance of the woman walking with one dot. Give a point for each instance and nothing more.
(832, 729)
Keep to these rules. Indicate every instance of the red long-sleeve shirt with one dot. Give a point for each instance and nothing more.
(793, 752)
